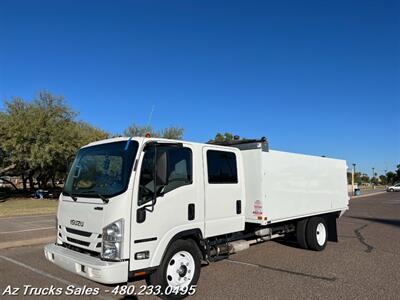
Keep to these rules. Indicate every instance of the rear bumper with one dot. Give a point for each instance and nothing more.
(87, 266)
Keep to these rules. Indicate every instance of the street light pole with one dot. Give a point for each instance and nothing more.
(373, 177)
(353, 173)
(386, 183)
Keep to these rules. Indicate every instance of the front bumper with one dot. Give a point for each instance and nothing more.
(87, 266)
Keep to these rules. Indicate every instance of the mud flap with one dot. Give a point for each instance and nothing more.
(332, 228)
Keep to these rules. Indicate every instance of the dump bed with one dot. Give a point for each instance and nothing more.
(281, 186)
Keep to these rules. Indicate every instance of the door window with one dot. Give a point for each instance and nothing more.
(221, 166)
(179, 171)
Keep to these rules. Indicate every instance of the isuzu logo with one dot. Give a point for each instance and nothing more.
(76, 223)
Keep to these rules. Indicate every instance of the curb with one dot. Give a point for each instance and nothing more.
(30, 242)
(368, 195)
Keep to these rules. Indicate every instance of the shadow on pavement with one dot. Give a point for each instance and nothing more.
(392, 222)
(289, 241)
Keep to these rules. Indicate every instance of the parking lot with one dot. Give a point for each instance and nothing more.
(364, 264)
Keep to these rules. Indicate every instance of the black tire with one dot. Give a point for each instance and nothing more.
(316, 240)
(159, 277)
(301, 233)
(391, 190)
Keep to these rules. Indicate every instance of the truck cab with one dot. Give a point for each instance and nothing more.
(128, 201)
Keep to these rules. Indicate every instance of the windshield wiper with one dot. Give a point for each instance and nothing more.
(71, 195)
(105, 199)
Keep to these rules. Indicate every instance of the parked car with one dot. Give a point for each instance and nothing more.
(393, 188)
(45, 194)
(40, 194)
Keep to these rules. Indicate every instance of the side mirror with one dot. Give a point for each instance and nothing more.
(161, 168)
(160, 180)
(141, 215)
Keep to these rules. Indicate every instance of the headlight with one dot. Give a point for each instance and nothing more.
(58, 233)
(113, 235)
(111, 250)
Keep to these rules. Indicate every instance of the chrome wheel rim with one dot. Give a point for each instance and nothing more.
(321, 234)
(180, 270)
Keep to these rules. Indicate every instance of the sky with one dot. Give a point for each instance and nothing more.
(314, 77)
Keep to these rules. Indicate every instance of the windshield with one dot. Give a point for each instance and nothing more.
(103, 169)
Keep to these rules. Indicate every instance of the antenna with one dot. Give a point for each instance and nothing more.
(150, 115)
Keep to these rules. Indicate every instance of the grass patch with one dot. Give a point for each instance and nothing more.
(25, 206)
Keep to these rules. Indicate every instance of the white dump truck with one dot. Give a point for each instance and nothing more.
(159, 208)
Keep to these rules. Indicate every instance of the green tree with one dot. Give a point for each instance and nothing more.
(391, 177)
(382, 179)
(226, 137)
(37, 137)
(361, 178)
(137, 130)
(175, 133)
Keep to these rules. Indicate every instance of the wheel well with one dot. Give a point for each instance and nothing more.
(330, 220)
(192, 234)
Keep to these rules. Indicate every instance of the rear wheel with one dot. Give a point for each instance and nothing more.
(301, 233)
(316, 234)
(179, 270)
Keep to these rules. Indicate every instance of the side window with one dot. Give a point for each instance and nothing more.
(221, 167)
(179, 172)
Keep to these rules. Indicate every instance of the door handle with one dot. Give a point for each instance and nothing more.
(238, 207)
(191, 212)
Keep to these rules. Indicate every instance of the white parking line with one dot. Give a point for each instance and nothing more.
(40, 272)
(242, 263)
(27, 216)
(25, 230)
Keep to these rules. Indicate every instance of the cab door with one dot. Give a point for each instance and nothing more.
(177, 208)
(223, 190)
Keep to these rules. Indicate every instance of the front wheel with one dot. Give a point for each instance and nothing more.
(317, 234)
(179, 271)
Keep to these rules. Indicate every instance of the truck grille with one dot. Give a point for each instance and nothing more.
(81, 250)
(85, 240)
(78, 232)
(87, 244)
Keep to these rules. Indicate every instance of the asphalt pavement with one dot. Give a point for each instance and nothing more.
(364, 264)
(26, 230)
